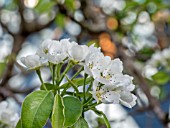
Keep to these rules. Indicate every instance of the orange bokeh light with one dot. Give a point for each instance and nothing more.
(107, 46)
(112, 23)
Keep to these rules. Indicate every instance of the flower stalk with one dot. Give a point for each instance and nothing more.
(104, 116)
(40, 77)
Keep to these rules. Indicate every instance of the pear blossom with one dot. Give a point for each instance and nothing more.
(57, 52)
(93, 49)
(112, 71)
(33, 61)
(44, 48)
(96, 63)
(67, 44)
(121, 93)
(8, 117)
(78, 52)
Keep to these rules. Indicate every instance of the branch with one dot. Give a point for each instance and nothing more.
(28, 28)
(18, 41)
(4, 93)
(93, 28)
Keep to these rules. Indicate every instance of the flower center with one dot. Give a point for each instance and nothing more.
(45, 51)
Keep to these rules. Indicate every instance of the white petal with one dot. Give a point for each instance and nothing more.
(67, 44)
(103, 80)
(96, 73)
(111, 97)
(76, 52)
(95, 84)
(51, 59)
(55, 45)
(116, 66)
(87, 70)
(121, 80)
(46, 43)
(85, 51)
(93, 49)
(57, 53)
(130, 87)
(31, 61)
(129, 104)
(126, 96)
(23, 60)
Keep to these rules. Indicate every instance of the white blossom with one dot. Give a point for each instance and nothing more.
(67, 44)
(112, 73)
(121, 93)
(75, 52)
(33, 61)
(57, 52)
(93, 49)
(78, 52)
(96, 63)
(8, 117)
(44, 48)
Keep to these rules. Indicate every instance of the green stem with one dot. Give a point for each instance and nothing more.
(84, 88)
(39, 75)
(53, 74)
(88, 101)
(93, 105)
(64, 91)
(58, 71)
(52, 69)
(73, 85)
(69, 66)
(57, 77)
(77, 73)
(90, 86)
(104, 116)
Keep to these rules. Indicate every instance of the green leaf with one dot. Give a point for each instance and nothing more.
(70, 4)
(36, 109)
(81, 123)
(44, 6)
(48, 86)
(161, 77)
(81, 94)
(147, 51)
(60, 20)
(78, 82)
(95, 42)
(73, 110)
(19, 124)
(58, 112)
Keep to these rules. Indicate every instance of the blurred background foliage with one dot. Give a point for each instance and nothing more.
(137, 31)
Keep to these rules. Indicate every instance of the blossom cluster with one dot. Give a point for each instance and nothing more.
(160, 60)
(110, 85)
(8, 117)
